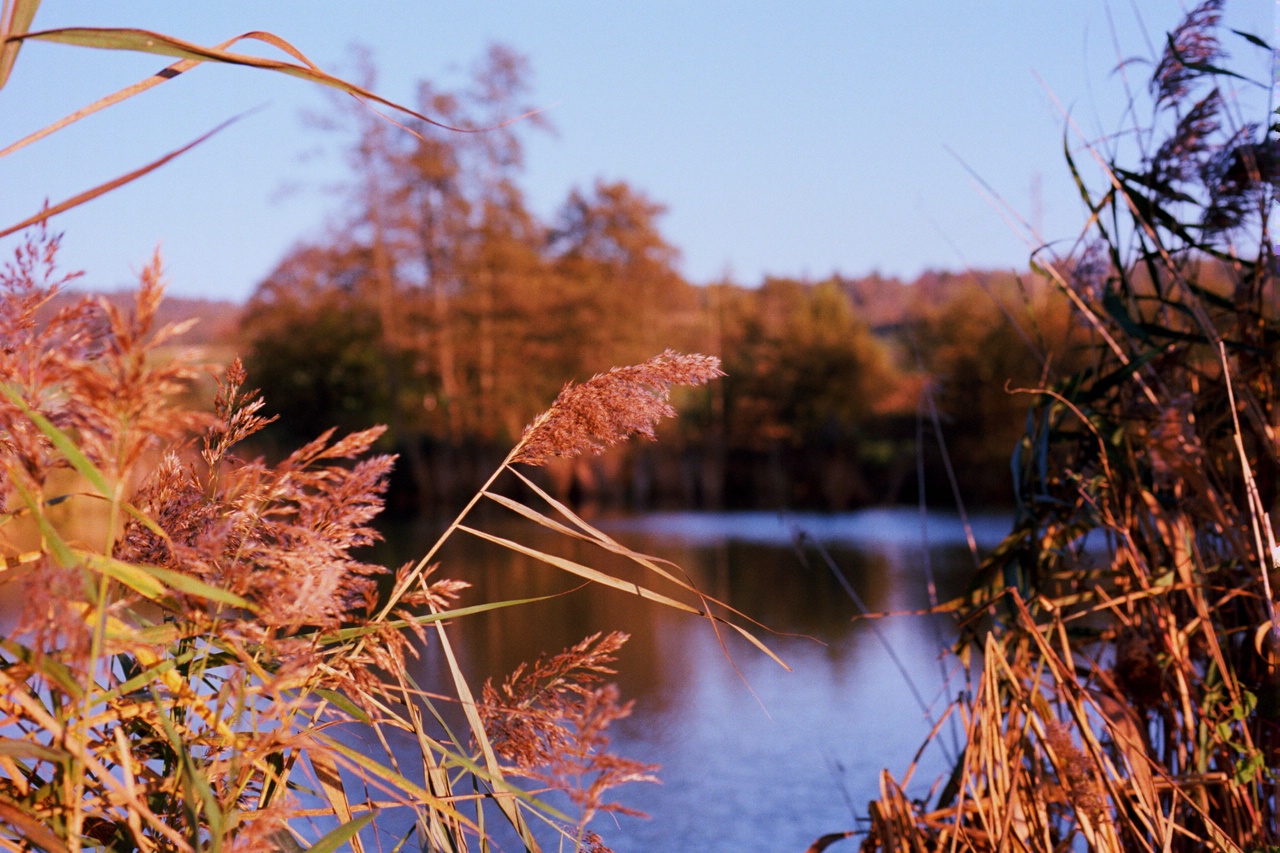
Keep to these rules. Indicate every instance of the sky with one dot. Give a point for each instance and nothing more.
(785, 138)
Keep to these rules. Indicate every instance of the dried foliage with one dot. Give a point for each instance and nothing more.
(549, 722)
(189, 645)
(191, 641)
(1122, 642)
(610, 407)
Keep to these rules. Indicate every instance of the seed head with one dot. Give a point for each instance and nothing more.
(609, 407)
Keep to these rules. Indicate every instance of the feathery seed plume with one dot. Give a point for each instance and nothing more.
(609, 407)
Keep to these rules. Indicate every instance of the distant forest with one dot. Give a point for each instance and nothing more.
(441, 306)
(838, 394)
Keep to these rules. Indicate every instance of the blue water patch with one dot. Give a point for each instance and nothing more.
(895, 526)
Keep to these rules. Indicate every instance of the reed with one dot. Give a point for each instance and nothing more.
(197, 660)
(1121, 644)
(194, 658)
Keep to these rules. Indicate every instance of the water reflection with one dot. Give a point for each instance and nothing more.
(754, 757)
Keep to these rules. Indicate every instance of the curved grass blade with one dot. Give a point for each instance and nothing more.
(347, 832)
(102, 189)
(145, 41)
(16, 21)
(161, 76)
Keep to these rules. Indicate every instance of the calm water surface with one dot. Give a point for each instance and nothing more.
(758, 759)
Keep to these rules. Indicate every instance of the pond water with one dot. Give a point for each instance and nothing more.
(753, 757)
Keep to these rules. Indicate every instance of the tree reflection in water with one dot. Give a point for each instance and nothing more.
(753, 757)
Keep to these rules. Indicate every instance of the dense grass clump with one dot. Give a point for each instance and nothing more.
(1122, 644)
(194, 656)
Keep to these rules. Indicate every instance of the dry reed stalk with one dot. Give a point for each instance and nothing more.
(194, 658)
(587, 418)
(1140, 689)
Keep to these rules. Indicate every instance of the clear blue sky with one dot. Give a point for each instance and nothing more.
(787, 138)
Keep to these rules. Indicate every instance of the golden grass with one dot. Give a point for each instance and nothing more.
(187, 672)
(1121, 643)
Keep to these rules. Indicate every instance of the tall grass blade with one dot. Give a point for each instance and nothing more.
(348, 832)
(589, 533)
(597, 576)
(145, 41)
(502, 796)
(15, 21)
(102, 189)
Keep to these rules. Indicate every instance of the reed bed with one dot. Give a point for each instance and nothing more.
(1122, 652)
(198, 660)
(193, 656)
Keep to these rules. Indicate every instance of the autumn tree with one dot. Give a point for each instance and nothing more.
(314, 329)
(430, 208)
(985, 342)
(805, 390)
(612, 261)
(460, 206)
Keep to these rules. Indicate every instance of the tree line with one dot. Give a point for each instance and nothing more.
(445, 309)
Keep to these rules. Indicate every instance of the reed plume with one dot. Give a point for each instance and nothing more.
(610, 407)
(549, 721)
(1129, 617)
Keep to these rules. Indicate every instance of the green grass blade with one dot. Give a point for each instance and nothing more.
(342, 703)
(192, 586)
(154, 583)
(60, 439)
(143, 678)
(146, 585)
(335, 839)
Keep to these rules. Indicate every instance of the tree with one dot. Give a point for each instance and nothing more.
(439, 220)
(618, 276)
(805, 377)
(979, 339)
(313, 330)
